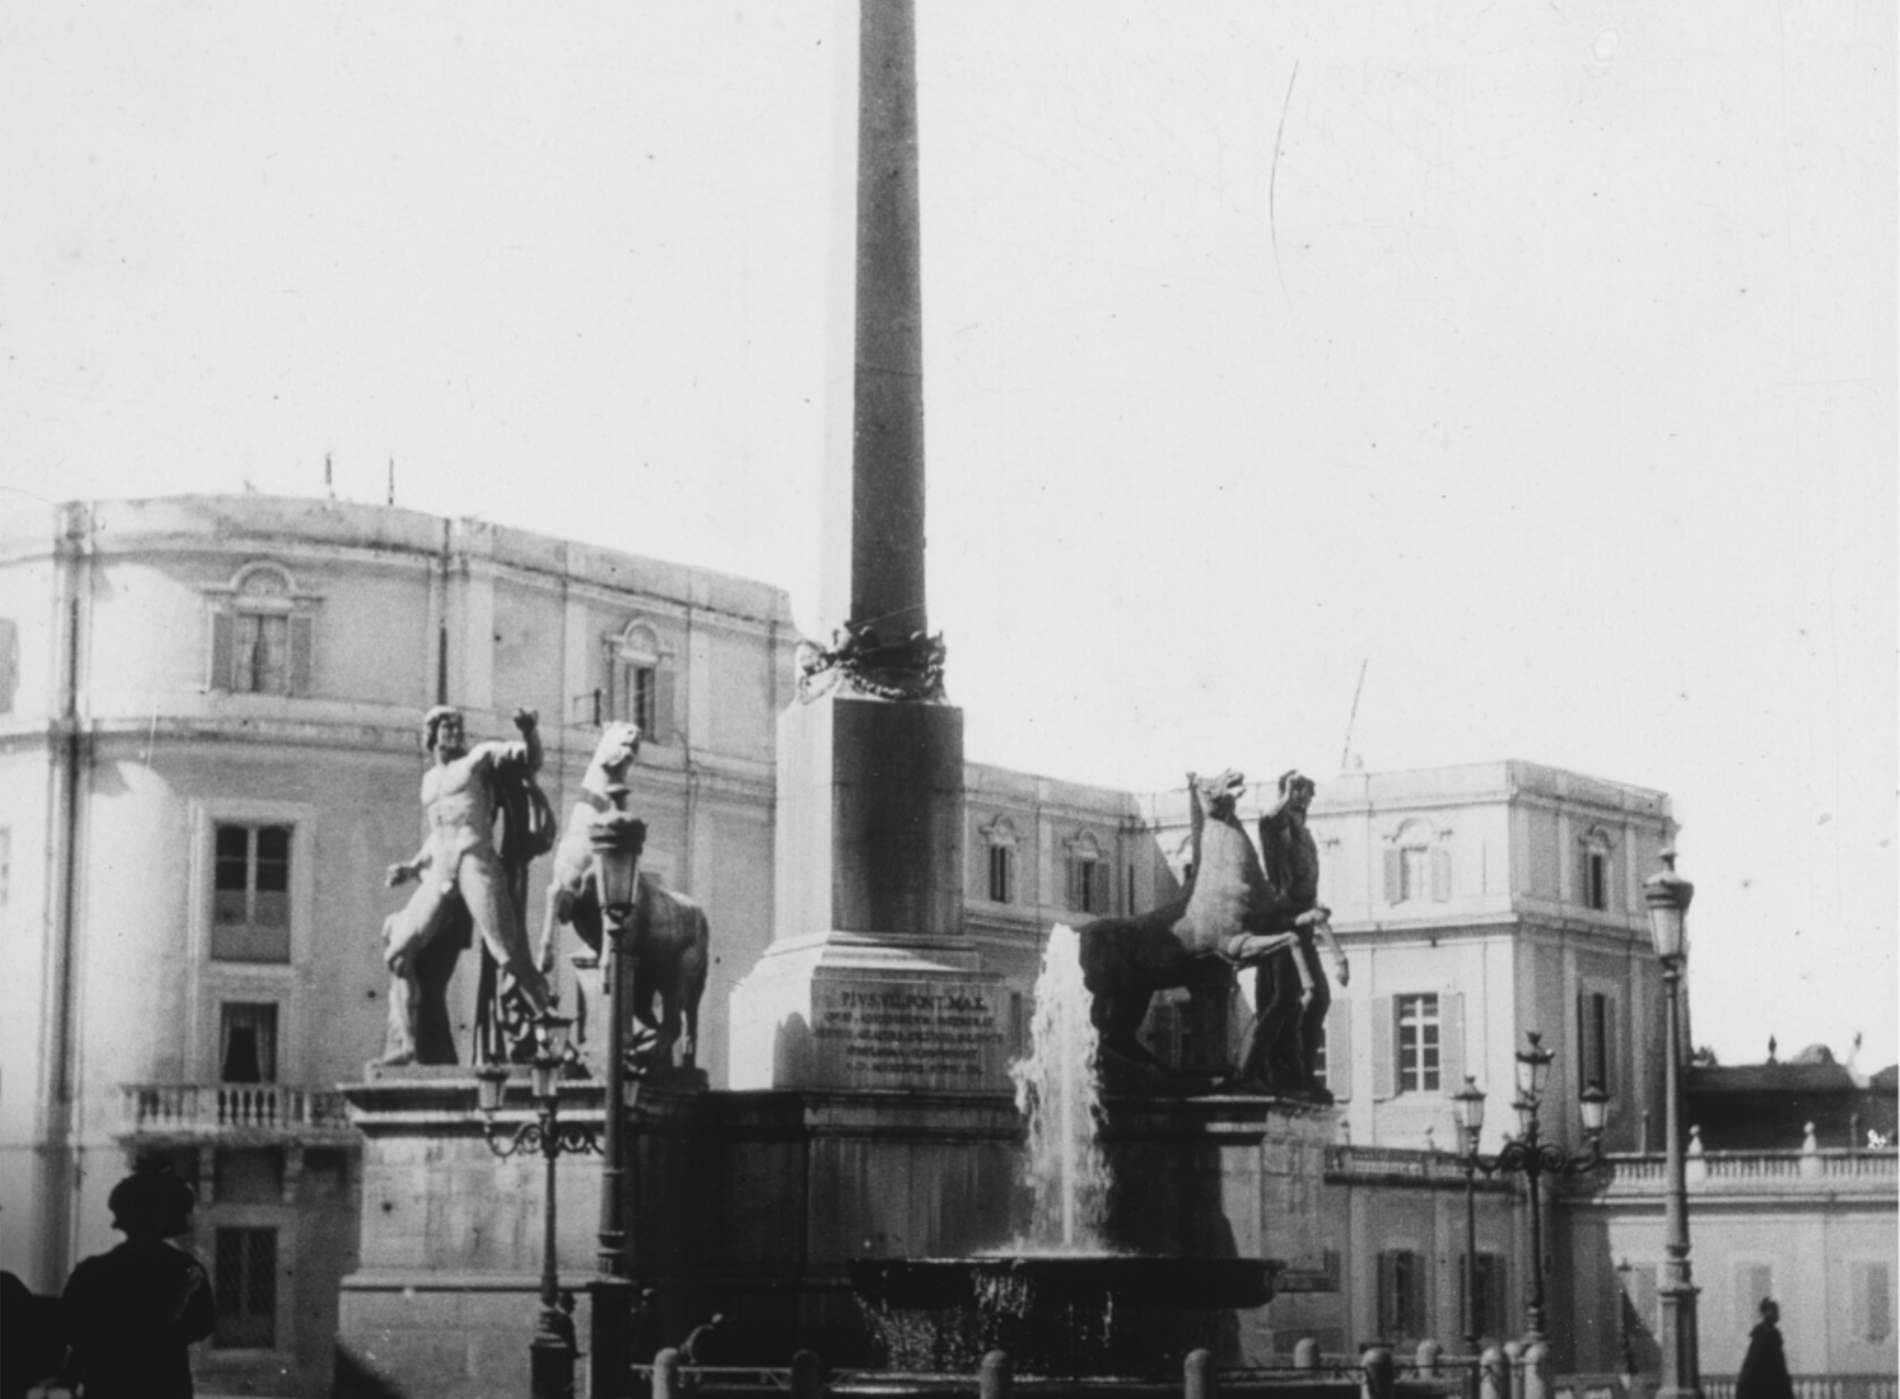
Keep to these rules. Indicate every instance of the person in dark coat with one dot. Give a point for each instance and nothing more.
(131, 1313)
(32, 1337)
(1765, 1367)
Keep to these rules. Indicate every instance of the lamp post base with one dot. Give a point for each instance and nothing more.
(610, 1361)
(551, 1357)
(1681, 1365)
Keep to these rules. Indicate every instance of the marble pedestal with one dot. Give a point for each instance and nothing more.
(869, 982)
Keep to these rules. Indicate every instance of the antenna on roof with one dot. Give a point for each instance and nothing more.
(329, 479)
(1345, 752)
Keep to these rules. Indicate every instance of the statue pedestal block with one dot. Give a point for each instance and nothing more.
(869, 982)
(845, 1011)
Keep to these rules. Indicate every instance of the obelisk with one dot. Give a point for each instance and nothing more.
(870, 981)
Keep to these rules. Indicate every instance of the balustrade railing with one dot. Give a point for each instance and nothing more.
(1760, 1170)
(233, 1107)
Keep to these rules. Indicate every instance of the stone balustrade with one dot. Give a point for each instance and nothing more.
(1834, 1169)
(216, 1109)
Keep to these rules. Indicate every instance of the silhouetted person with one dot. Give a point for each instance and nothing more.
(1765, 1367)
(699, 1345)
(563, 1321)
(32, 1337)
(132, 1313)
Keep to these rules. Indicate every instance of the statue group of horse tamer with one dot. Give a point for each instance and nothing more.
(1238, 908)
(487, 820)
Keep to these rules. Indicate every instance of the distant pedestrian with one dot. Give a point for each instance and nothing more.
(132, 1313)
(1765, 1367)
(700, 1345)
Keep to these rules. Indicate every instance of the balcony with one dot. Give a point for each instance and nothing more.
(1838, 1172)
(261, 1112)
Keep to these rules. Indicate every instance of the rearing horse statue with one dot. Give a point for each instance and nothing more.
(1222, 920)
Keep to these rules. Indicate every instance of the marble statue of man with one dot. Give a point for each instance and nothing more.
(460, 872)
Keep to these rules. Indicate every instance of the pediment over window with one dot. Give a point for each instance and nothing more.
(1000, 831)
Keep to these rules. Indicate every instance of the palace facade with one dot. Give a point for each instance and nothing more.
(210, 752)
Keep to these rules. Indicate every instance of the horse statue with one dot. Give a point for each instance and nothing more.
(668, 935)
(1223, 919)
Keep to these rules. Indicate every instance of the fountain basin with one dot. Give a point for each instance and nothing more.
(1056, 1314)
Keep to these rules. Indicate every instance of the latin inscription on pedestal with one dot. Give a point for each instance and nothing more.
(922, 1035)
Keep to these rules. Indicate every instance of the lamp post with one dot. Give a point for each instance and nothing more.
(1470, 1101)
(618, 840)
(551, 1352)
(1668, 894)
(1530, 1156)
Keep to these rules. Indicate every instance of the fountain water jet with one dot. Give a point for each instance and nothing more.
(1059, 1093)
(1059, 1299)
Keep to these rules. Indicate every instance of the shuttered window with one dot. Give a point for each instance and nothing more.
(1335, 1070)
(246, 1289)
(1401, 1295)
(1596, 1058)
(1002, 874)
(263, 635)
(1873, 1301)
(1414, 873)
(1490, 1313)
(640, 683)
(1417, 1043)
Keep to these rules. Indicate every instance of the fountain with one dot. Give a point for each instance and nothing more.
(1058, 1298)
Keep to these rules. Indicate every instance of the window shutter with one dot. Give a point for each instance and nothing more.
(1387, 1293)
(1610, 1056)
(221, 642)
(302, 638)
(1441, 873)
(1451, 1041)
(610, 690)
(1339, 1049)
(1384, 1062)
(662, 704)
(1394, 876)
(1873, 1301)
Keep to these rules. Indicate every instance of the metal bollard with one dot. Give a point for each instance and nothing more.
(1306, 1354)
(997, 1377)
(1494, 1375)
(1428, 1353)
(666, 1374)
(1380, 1373)
(1199, 1378)
(808, 1375)
(1537, 1375)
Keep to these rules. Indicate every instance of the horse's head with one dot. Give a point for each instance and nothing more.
(619, 744)
(1220, 793)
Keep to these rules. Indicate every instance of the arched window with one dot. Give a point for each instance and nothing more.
(1417, 864)
(1088, 875)
(640, 682)
(999, 843)
(263, 633)
(1594, 865)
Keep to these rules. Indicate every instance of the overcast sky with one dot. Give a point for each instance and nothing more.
(1536, 355)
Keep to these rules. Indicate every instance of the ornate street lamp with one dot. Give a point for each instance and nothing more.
(1668, 894)
(1470, 1101)
(1533, 1158)
(551, 1352)
(618, 840)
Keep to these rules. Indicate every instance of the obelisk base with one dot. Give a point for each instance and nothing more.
(850, 1011)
